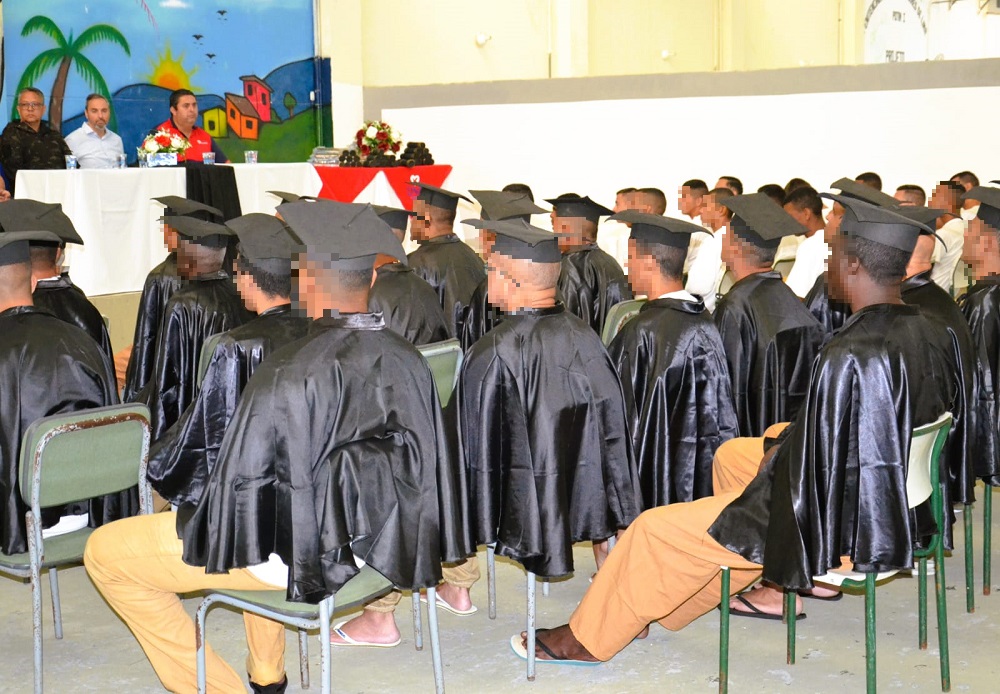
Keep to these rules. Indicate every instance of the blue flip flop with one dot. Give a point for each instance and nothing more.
(521, 652)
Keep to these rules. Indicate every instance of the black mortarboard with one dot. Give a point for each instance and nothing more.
(920, 214)
(439, 197)
(395, 217)
(859, 191)
(201, 232)
(760, 220)
(878, 224)
(290, 197)
(570, 205)
(497, 204)
(350, 234)
(265, 241)
(515, 238)
(15, 246)
(989, 204)
(31, 215)
(655, 228)
(182, 207)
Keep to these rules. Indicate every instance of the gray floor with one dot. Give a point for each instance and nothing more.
(99, 654)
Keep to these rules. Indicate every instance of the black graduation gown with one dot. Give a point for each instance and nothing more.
(202, 307)
(453, 270)
(837, 484)
(678, 398)
(408, 305)
(544, 440)
(981, 308)
(64, 300)
(336, 449)
(590, 283)
(972, 449)
(47, 367)
(183, 458)
(831, 314)
(480, 317)
(161, 283)
(770, 339)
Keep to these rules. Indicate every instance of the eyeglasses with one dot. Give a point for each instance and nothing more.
(30, 105)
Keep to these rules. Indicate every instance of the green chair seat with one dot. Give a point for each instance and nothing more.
(59, 550)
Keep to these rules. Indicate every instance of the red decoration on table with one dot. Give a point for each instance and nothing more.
(345, 183)
(342, 183)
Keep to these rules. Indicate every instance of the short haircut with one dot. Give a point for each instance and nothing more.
(34, 90)
(966, 177)
(95, 95)
(720, 194)
(669, 259)
(805, 199)
(175, 96)
(870, 179)
(773, 191)
(954, 186)
(626, 191)
(760, 256)
(522, 188)
(734, 183)
(885, 264)
(659, 200)
(445, 215)
(915, 193)
(44, 254)
(696, 186)
(271, 283)
(796, 183)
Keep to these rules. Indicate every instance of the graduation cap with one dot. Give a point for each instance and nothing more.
(439, 197)
(879, 224)
(352, 235)
(517, 239)
(989, 203)
(655, 228)
(265, 241)
(15, 246)
(290, 197)
(760, 220)
(859, 191)
(201, 232)
(497, 204)
(182, 207)
(32, 215)
(572, 205)
(395, 217)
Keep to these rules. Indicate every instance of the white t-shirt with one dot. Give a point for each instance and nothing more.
(704, 266)
(612, 238)
(946, 257)
(810, 263)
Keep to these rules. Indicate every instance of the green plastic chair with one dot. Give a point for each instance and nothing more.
(922, 483)
(618, 315)
(445, 359)
(784, 267)
(67, 458)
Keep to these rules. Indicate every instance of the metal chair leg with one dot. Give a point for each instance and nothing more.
(870, 679)
(922, 603)
(531, 627)
(491, 579)
(325, 610)
(36, 598)
(199, 638)
(56, 604)
(970, 578)
(942, 615)
(724, 632)
(418, 629)
(304, 658)
(790, 618)
(435, 640)
(987, 539)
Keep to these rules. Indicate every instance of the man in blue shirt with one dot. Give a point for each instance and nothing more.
(94, 145)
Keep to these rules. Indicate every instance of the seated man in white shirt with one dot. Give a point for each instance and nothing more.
(614, 235)
(704, 261)
(968, 181)
(94, 145)
(806, 207)
(947, 196)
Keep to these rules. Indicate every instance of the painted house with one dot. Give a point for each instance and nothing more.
(242, 117)
(258, 93)
(215, 121)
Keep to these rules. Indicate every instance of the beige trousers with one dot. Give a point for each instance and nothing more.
(462, 575)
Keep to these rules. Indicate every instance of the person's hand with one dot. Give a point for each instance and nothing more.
(4, 195)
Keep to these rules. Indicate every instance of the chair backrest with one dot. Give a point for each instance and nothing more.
(207, 350)
(619, 314)
(81, 455)
(445, 360)
(925, 449)
(784, 267)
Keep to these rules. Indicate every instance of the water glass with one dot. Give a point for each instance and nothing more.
(143, 158)
(122, 161)
(71, 162)
(208, 158)
(250, 156)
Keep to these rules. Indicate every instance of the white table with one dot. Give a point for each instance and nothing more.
(254, 180)
(112, 211)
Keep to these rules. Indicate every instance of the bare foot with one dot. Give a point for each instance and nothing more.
(458, 598)
(369, 627)
(561, 642)
(766, 599)
(819, 591)
(600, 553)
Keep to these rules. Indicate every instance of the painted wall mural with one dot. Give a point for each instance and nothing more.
(251, 64)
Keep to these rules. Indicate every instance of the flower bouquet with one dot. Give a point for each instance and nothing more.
(161, 148)
(376, 137)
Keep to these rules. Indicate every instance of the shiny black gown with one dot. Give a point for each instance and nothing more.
(47, 367)
(408, 305)
(161, 283)
(590, 283)
(837, 483)
(981, 308)
(770, 340)
(480, 317)
(336, 449)
(678, 397)
(453, 270)
(183, 458)
(66, 301)
(544, 440)
(202, 307)
(831, 314)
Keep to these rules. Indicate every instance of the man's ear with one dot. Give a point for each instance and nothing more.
(852, 265)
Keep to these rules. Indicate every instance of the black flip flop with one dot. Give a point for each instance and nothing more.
(755, 613)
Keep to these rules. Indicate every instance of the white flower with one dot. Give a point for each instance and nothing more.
(176, 142)
(150, 145)
(371, 132)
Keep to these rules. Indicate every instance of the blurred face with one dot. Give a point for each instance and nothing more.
(730, 249)
(486, 240)
(566, 235)
(97, 113)
(245, 286)
(501, 285)
(422, 222)
(943, 198)
(980, 242)
(837, 268)
(713, 213)
(31, 108)
(185, 113)
(639, 268)
(170, 238)
(688, 202)
(833, 218)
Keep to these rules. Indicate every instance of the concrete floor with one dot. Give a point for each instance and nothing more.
(98, 653)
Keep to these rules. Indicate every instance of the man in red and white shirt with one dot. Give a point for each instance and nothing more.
(183, 115)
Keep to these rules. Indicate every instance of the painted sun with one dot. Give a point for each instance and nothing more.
(169, 72)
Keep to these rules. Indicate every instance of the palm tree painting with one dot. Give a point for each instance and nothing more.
(68, 51)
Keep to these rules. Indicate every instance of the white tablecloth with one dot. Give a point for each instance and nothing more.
(254, 180)
(112, 211)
